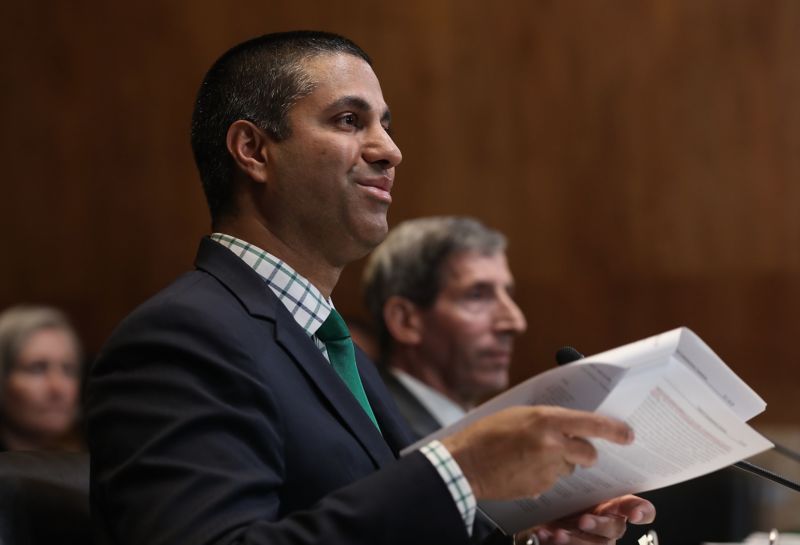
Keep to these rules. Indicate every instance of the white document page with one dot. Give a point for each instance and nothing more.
(696, 355)
(683, 430)
(686, 406)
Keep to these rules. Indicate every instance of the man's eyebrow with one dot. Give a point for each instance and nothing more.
(480, 283)
(358, 103)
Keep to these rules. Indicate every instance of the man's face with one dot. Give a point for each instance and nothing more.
(468, 333)
(332, 177)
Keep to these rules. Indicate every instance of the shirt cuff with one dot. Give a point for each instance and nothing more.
(455, 480)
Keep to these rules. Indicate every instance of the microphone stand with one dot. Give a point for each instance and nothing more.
(767, 474)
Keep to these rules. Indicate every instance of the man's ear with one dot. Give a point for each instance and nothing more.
(247, 144)
(403, 320)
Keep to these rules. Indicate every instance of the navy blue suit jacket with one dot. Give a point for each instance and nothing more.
(213, 418)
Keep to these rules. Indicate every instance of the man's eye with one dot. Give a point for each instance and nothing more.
(349, 120)
(477, 293)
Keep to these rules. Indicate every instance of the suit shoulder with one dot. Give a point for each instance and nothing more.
(195, 304)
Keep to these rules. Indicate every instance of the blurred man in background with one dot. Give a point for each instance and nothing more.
(442, 296)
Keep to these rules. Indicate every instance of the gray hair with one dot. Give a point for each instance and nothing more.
(409, 263)
(18, 323)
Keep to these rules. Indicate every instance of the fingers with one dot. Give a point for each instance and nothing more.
(561, 536)
(523, 451)
(585, 529)
(579, 451)
(637, 510)
(605, 526)
(583, 424)
(570, 426)
(567, 469)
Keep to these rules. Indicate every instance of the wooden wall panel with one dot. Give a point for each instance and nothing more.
(641, 156)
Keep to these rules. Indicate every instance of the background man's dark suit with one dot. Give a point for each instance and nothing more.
(240, 418)
(419, 419)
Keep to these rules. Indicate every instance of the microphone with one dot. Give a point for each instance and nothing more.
(568, 354)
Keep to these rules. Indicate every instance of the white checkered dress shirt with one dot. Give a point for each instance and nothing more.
(310, 309)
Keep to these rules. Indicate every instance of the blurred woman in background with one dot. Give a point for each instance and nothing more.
(40, 375)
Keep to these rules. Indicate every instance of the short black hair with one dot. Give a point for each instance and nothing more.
(258, 81)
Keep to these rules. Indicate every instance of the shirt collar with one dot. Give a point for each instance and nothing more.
(441, 407)
(300, 297)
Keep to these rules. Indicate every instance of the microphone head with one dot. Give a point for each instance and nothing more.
(567, 355)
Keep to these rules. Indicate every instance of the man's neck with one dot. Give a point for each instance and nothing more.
(305, 262)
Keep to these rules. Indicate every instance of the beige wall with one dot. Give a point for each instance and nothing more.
(643, 157)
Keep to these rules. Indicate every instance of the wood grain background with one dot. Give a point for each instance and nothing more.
(643, 157)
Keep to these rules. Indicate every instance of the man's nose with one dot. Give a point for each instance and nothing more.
(509, 316)
(381, 149)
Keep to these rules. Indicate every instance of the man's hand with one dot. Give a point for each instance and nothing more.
(602, 524)
(522, 451)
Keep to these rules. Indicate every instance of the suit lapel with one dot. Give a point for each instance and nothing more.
(249, 288)
(394, 427)
(306, 355)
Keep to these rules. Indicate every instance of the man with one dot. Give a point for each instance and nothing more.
(229, 408)
(441, 293)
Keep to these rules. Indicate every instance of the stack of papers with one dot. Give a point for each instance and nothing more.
(687, 408)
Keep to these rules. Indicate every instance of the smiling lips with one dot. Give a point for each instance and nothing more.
(379, 186)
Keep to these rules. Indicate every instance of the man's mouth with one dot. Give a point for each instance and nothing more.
(502, 357)
(378, 186)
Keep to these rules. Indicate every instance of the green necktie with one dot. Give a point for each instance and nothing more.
(334, 333)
